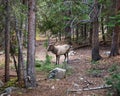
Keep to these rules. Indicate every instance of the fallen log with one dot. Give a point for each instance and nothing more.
(89, 89)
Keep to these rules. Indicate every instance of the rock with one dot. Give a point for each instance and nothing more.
(1, 84)
(1, 53)
(53, 87)
(71, 53)
(8, 91)
(107, 53)
(57, 73)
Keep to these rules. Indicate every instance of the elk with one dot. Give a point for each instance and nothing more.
(59, 50)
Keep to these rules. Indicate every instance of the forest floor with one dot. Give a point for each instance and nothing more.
(85, 74)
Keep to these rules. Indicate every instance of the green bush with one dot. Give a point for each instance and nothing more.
(114, 80)
(94, 72)
(45, 65)
(48, 66)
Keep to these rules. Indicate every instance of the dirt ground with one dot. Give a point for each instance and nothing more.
(80, 78)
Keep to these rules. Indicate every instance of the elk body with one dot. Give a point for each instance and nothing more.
(59, 50)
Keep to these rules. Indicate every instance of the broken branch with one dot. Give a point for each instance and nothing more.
(94, 88)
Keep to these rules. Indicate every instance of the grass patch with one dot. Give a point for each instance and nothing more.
(47, 66)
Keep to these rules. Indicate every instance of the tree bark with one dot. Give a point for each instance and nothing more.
(115, 42)
(68, 33)
(91, 32)
(95, 36)
(7, 40)
(31, 45)
(67, 23)
(116, 32)
(103, 33)
(95, 42)
(85, 31)
(77, 33)
(21, 64)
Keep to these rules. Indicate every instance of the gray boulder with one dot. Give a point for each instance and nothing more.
(57, 73)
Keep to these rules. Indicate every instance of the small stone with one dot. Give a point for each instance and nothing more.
(53, 87)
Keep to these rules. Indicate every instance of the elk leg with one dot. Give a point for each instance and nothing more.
(57, 59)
(65, 57)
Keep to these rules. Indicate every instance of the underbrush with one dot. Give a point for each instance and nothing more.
(114, 81)
(11, 82)
(47, 65)
(94, 71)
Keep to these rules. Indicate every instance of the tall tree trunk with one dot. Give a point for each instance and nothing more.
(77, 33)
(91, 32)
(82, 31)
(60, 35)
(115, 42)
(7, 40)
(31, 45)
(85, 31)
(95, 36)
(68, 33)
(95, 42)
(103, 33)
(67, 23)
(116, 32)
(21, 64)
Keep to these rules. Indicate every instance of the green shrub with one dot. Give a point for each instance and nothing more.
(114, 80)
(38, 63)
(48, 59)
(94, 72)
(48, 66)
(45, 65)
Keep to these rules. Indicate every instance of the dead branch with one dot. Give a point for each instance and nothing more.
(89, 89)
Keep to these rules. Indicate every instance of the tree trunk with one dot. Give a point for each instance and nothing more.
(103, 34)
(13, 45)
(91, 32)
(82, 31)
(77, 33)
(68, 33)
(21, 64)
(85, 31)
(7, 40)
(31, 45)
(67, 23)
(116, 32)
(115, 42)
(95, 36)
(60, 35)
(95, 41)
